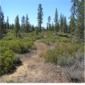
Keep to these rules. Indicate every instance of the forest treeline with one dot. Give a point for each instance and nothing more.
(75, 26)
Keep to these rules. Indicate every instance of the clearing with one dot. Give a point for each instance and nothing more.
(35, 69)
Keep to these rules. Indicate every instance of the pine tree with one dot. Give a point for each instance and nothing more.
(72, 25)
(27, 25)
(65, 24)
(78, 13)
(56, 21)
(7, 24)
(32, 28)
(17, 26)
(23, 23)
(61, 23)
(80, 20)
(1, 21)
(40, 17)
(49, 23)
(74, 16)
(11, 26)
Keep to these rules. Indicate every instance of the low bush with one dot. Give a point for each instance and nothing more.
(7, 58)
(51, 56)
(18, 45)
(10, 35)
(63, 54)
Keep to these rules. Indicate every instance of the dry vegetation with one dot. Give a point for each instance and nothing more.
(51, 49)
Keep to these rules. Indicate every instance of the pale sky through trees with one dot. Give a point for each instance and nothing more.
(12, 8)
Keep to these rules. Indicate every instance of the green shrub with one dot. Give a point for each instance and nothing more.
(67, 48)
(7, 59)
(65, 60)
(63, 54)
(51, 56)
(17, 45)
(10, 35)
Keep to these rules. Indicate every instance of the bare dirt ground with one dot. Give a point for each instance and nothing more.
(35, 69)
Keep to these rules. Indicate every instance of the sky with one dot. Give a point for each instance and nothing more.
(12, 8)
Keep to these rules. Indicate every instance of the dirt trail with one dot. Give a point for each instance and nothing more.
(34, 69)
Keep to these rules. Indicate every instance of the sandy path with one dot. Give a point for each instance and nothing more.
(34, 69)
